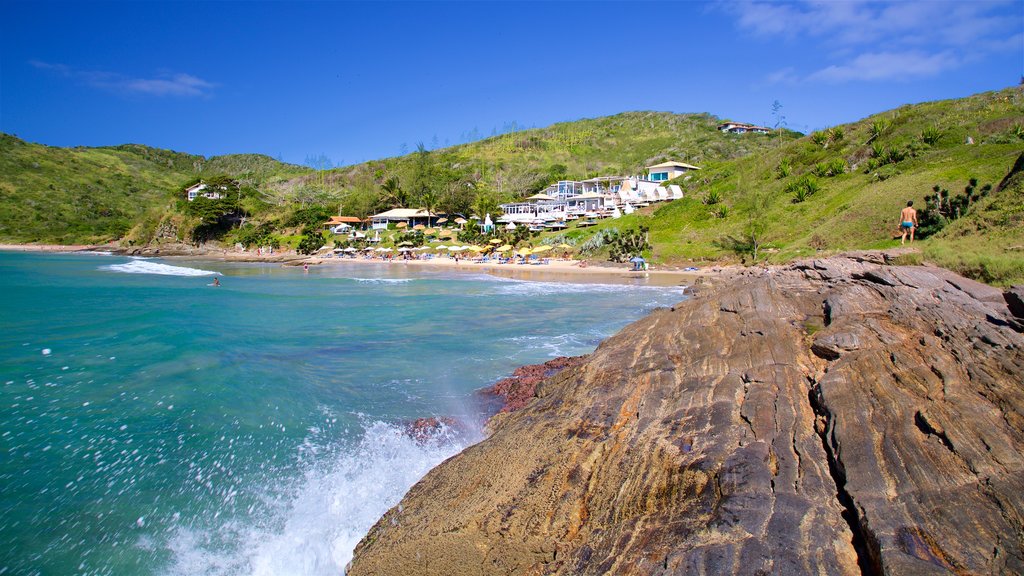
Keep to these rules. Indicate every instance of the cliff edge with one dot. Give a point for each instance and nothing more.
(835, 416)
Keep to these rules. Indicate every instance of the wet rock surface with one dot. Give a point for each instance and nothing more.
(835, 416)
(519, 389)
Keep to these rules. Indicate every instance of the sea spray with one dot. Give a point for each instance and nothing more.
(316, 525)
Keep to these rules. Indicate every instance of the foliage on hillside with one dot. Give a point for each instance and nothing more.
(843, 188)
(85, 195)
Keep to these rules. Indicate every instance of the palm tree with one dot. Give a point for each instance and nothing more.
(394, 195)
(429, 201)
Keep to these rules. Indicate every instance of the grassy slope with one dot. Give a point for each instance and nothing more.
(856, 209)
(82, 195)
(610, 145)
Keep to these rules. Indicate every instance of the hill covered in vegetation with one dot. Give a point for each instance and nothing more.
(88, 195)
(758, 196)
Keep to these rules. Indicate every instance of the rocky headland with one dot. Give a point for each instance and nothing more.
(836, 416)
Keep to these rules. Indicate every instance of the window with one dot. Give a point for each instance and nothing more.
(659, 176)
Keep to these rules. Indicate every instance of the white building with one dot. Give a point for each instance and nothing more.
(201, 189)
(411, 216)
(668, 170)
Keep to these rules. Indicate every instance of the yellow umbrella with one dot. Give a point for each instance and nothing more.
(401, 225)
(476, 248)
(540, 249)
(564, 246)
(504, 248)
(524, 252)
(495, 241)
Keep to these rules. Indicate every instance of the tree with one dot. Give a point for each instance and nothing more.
(312, 240)
(393, 195)
(429, 201)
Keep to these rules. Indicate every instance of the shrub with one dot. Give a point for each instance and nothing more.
(598, 240)
(803, 188)
(831, 168)
(720, 211)
(711, 198)
(878, 127)
(930, 135)
(783, 169)
(628, 244)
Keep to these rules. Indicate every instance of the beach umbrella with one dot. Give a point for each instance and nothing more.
(403, 249)
(540, 249)
(442, 220)
(406, 243)
(504, 248)
(495, 241)
(460, 220)
(510, 226)
(349, 249)
(419, 227)
(336, 250)
(477, 248)
(402, 225)
(430, 231)
(524, 251)
(636, 260)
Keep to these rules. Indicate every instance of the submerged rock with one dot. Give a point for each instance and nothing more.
(831, 417)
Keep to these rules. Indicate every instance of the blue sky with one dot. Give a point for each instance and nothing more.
(356, 81)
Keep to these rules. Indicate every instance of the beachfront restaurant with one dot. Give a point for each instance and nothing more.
(585, 203)
(411, 216)
(536, 207)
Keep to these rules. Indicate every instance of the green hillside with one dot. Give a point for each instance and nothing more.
(758, 197)
(843, 188)
(85, 195)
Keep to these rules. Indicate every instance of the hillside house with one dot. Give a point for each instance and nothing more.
(742, 128)
(201, 189)
(668, 170)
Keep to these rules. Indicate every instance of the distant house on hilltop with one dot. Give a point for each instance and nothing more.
(742, 128)
(668, 170)
(201, 189)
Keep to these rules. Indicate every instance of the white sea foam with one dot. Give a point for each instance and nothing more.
(139, 266)
(526, 288)
(382, 280)
(327, 511)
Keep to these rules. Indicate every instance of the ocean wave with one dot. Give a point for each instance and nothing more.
(382, 280)
(555, 346)
(139, 266)
(530, 288)
(326, 512)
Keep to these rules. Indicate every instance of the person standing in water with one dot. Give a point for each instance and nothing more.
(216, 282)
(908, 222)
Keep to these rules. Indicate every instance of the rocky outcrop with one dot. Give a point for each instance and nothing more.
(831, 417)
(520, 388)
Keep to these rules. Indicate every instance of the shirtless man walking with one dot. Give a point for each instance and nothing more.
(908, 222)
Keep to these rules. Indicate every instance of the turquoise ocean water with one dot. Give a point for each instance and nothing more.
(152, 424)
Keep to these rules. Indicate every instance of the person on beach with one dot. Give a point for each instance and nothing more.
(305, 268)
(908, 222)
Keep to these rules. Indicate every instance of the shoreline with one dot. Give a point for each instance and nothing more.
(557, 270)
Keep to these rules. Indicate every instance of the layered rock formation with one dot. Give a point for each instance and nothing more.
(832, 417)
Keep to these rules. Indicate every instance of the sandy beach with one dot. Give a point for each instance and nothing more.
(556, 270)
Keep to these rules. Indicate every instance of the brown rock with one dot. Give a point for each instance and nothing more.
(517, 390)
(857, 418)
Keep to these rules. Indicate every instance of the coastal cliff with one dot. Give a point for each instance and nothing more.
(835, 416)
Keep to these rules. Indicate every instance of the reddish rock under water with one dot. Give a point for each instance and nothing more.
(518, 389)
